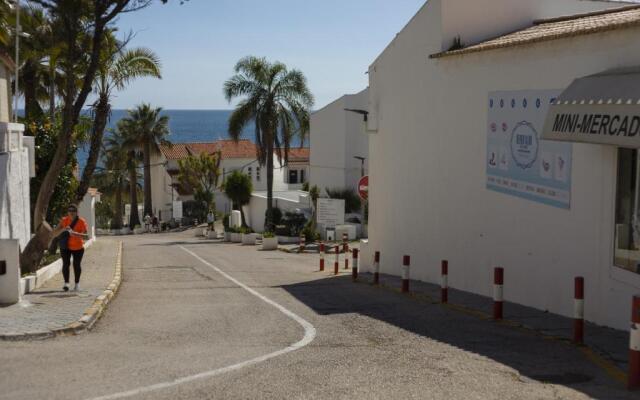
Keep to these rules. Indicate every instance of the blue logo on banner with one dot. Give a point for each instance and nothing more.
(524, 145)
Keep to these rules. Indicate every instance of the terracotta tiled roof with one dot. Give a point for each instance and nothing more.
(298, 154)
(557, 28)
(176, 151)
(228, 148)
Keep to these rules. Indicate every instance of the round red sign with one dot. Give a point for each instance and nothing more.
(363, 187)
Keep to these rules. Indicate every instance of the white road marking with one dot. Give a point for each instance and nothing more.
(309, 335)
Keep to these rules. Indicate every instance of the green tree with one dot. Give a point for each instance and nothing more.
(117, 69)
(112, 179)
(352, 201)
(146, 130)
(238, 188)
(278, 102)
(201, 174)
(82, 26)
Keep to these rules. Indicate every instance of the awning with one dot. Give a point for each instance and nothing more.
(602, 108)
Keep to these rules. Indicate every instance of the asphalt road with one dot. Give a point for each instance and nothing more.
(197, 319)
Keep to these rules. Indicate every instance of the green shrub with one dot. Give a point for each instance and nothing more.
(267, 235)
(305, 186)
(352, 202)
(225, 222)
(294, 223)
(309, 233)
(276, 216)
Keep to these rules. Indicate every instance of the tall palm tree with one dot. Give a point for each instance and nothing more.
(114, 179)
(147, 130)
(118, 68)
(278, 102)
(128, 139)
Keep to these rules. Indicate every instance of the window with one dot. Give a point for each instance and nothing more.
(627, 227)
(258, 174)
(293, 176)
(250, 172)
(302, 177)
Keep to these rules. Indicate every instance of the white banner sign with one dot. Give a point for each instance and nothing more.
(177, 209)
(330, 212)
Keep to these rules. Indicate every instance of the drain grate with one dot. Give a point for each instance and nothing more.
(568, 378)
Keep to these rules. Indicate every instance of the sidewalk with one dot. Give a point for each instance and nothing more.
(48, 310)
(609, 347)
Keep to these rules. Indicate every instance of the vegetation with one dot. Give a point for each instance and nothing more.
(60, 60)
(278, 102)
(268, 235)
(352, 202)
(201, 174)
(238, 188)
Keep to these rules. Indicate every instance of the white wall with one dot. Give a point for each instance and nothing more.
(432, 118)
(162, 194)
(87, 210)
(336, 137)
(285, 201)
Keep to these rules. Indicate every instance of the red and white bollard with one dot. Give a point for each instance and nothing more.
(406, 262)
(376, 268)
(345, 248)
(578, 311)
(498, 298)
(321, 256)
(336, 265)
(303, 241)
(634, 345)
(354, 268)
(444, 282)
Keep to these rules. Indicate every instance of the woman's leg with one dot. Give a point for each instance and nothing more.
(66, 261)
(77, 261)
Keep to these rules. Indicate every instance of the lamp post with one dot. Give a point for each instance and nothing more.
(16, 94)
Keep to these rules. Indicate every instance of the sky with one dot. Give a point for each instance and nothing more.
(332, 42)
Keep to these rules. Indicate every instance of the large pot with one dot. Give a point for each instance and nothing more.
(198, 232)
(270, 243)
(227, 236)
(236, 237)
(249, 239)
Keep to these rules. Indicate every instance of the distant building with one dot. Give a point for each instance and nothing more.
(339, 143)
(239, 155)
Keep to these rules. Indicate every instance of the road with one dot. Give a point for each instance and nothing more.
(197, 319)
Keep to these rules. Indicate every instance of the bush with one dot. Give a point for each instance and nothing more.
(294, 223)
(305, 186)
(193, 209)
(245, 230)
(351, 199)
(276, 217)
(267, 235)
(282, 230)
(225, 222)
(309, 233)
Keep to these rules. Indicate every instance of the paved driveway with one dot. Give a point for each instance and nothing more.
(198, 319)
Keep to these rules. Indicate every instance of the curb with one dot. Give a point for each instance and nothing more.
(90, 316)
(600, 361)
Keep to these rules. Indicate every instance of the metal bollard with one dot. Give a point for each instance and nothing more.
(321, 256)
(578, 311)
(634, 345)
(336, 265)
(406, 262)
(354, 268)
(498, 284)
(444, 283)
(303, 240)
(376, 268)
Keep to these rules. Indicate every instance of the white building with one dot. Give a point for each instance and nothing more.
(235, 156)
(459, 171)
(337, 137)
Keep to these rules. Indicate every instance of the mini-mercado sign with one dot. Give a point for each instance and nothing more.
(519, 162)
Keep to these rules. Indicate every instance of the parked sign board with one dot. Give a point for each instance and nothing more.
(330, 212)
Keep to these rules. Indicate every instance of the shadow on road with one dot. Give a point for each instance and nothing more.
(531, 355)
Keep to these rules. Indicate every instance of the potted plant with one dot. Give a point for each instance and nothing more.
(137, 230)
(269, 241)
(236, 236)
(248, 237)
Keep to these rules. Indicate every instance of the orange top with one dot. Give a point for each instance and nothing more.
(75, 242)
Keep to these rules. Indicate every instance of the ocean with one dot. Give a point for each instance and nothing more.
(186, 126)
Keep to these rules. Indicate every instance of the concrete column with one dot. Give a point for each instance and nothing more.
(9, 271)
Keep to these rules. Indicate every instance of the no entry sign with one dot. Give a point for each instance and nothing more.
(363, 187)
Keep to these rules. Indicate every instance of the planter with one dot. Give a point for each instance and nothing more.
(198, 232)
(288, 239)
(236, 238)
(138, 231)
(249, 239)
(270, 243)
(124, 231)
(227, 236)
(212, 234)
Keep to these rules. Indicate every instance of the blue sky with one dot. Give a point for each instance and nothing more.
(331, 41)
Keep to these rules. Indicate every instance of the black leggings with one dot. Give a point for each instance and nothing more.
(66, 261)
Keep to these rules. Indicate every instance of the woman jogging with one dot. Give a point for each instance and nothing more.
(71, 230)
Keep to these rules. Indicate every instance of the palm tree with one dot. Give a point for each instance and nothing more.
(278, 101)
(128, 138)
(117, 69)
(147, 130)
(114, 179)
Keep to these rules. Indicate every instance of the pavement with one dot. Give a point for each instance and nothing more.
(48, 310)
(201, 319)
